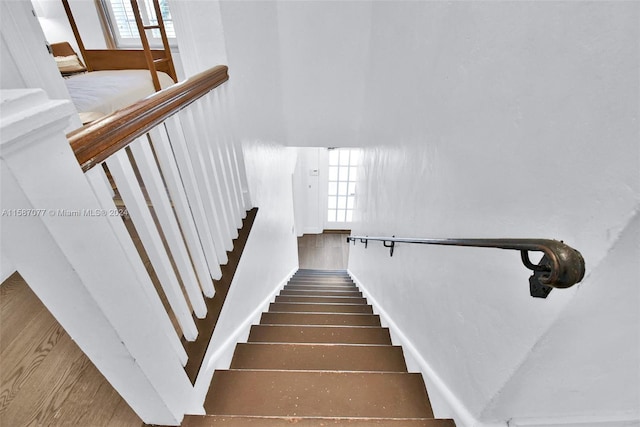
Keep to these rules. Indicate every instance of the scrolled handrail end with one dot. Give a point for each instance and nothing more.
(565, 266)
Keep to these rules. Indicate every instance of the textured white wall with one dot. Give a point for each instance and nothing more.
(253, 52)
(587, 363)
(269, 258)
(505, 120)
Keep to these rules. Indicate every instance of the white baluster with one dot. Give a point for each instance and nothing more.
(200, 158)
(236, 145)
(214, 102)
(232, 164)
(214, 140)
(175, 185)
(129, 188)
(198, 192)
(148, 168)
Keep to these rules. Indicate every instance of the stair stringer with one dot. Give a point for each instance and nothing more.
(444, 402)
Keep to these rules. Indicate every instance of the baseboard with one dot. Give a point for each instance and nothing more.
(311, 230)
(459, 412)
(336, 231)
(578, 421)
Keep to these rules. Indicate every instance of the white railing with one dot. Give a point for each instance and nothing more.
(180, 183)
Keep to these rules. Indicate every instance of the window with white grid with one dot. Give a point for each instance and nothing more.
(343, 169)
(123, 22)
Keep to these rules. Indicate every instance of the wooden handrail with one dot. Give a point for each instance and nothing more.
(561, 267)
(97, 141)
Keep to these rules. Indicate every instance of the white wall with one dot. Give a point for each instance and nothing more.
(310, 190)
(10, 77)
(56, 27)
(26, 62)
(505, 120)
(587, 362)
(270, 256)
(253, 52)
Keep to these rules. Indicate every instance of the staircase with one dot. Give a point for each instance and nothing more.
(319, 357)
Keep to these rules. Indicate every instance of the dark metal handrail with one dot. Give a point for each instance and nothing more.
(560, 267)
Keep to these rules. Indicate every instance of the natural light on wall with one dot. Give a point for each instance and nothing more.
(343, 169)
(123, 22)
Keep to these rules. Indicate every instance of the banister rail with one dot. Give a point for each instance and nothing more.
(560, 267)
(95, 142)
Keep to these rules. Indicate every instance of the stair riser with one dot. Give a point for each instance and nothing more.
(303, 292)
(319, 334)
(292, 307)
(320, 288)
(320, 280)
(317, 299)
(311, 271)
(311, 319)
(307, 357)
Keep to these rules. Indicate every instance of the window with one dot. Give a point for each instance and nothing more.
(123, 22)
(343, 169)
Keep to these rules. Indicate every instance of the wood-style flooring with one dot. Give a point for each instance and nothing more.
(46, 380)
(326, 251)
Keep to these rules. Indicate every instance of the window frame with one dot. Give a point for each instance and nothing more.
(341, 176)
(134, 42)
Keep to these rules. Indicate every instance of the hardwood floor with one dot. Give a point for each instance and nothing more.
(326, 251)
(45, 379)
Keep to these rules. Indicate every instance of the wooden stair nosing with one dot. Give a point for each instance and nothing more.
(260, 421)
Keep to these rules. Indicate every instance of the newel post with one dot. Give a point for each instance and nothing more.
(55, 233)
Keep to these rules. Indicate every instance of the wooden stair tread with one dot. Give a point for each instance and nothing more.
(318, 271)
(321, 280)
(320, 293)
(344, 319)
(241, 421)
(319, 299)
(318, 394)
(327, 357)
(311, 292)
(302, 307)
(321, 288)
(320, 334)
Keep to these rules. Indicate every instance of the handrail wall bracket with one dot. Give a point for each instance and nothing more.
(560, 267)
